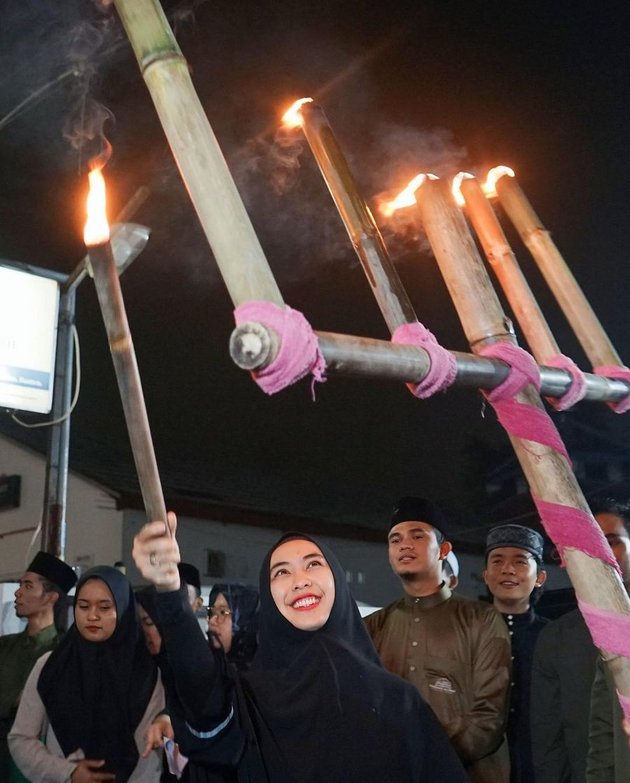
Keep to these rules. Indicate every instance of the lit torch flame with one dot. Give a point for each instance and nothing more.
(494, 175)
(456, 187)
(407, 196)
(96, 231)
(292, 118)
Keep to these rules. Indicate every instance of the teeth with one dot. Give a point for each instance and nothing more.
(301, 602)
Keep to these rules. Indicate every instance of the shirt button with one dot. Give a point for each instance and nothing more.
(416, 619)
(412, 668)
(414, 644)
(417, 601)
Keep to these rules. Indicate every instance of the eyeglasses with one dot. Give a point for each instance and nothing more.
(219, 612)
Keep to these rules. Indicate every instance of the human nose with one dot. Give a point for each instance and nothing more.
(18, 592)
(301, 580)
(508, 568)
(93, 612)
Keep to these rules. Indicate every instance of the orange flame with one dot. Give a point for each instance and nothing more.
(96, 230)
(494, 175)
(456, 187)
(292, 118)
(407, 196)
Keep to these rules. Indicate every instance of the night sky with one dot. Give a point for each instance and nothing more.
(407, 86)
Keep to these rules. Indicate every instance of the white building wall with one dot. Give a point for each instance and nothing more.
(94, 530)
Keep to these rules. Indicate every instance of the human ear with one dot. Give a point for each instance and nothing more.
(541, 578)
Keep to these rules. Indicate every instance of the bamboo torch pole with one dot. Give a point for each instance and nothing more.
(548, 473)
(502, 260)
(355, 214)
(202, 166)
(110, 299)
(575, 306)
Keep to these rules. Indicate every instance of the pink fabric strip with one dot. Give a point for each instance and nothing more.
(610, 630)
(443, 367)
(567, 526)
(623, 374)
(526, 421)
(576, 390)
(523, 370)
(299, 352)
(625, 705)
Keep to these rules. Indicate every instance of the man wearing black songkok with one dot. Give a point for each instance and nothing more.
(43, 583)
(514, 576)
(454, 650)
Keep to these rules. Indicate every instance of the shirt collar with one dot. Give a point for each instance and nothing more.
(429, 601)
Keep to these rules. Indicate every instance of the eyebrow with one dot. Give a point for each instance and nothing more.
(411, 530)
(286, 562)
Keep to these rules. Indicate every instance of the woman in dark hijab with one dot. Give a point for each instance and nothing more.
(316, 704)
(233, 622)
(94, 696)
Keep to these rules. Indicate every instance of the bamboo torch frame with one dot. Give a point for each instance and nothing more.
(107, 284)
(567, 291)
(202, 166)
(357, 218)
(548, 473)
(504, 264)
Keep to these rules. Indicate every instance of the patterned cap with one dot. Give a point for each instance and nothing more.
(517, 536)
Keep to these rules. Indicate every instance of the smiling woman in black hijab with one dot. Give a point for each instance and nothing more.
(316, 704)
(94, 696)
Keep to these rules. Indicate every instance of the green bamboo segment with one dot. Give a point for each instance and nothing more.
(202, 166)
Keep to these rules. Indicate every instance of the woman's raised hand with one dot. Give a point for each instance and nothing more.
(156, 554)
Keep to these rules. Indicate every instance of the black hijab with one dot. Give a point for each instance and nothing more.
(244, 603)
(96, 693)
(324, 708)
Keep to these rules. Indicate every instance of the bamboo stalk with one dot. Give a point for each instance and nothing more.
(253, 346)
(502, 260)
(568, 293)
(110, 298)
(357, 218)
(202, 166)
(548, 472)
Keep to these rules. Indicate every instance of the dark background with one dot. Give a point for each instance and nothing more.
(408, 87)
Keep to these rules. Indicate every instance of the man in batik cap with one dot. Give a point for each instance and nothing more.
(45, 581)
(454, 650)
(513, 574)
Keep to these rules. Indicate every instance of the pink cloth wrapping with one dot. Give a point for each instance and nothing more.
(299, 352)
(610, 630)
(523, 421)
(523, 370)
(443, 368)
(623, 374)
(576, 390)
(625, 705)
(567, 526)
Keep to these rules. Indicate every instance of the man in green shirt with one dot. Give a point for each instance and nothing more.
(45, 580)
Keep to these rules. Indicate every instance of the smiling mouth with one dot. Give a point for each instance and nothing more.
(306, 603)
(509, 584)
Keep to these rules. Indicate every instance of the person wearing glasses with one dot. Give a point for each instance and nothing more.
(233, 622)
